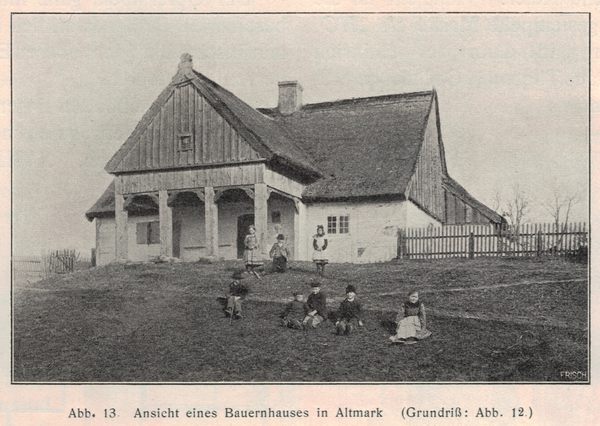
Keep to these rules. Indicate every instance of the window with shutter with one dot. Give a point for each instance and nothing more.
(147, 232)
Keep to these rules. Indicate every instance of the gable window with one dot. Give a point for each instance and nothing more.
(331, 224)
(185, 142)
(148, 232)
(469, 214)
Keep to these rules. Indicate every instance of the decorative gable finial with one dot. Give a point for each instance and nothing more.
(186, 63)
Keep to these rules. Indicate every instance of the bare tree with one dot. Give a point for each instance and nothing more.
(559, 205)
(516, 208)
(496, 201)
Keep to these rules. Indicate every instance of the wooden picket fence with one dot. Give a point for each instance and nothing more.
(488, 240)
(28, 264)
(56, 261)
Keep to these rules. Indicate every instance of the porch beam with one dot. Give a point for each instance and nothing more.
(200, 194)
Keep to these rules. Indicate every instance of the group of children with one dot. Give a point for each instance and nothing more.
(280, 253)
(302, 315)
(411, 322)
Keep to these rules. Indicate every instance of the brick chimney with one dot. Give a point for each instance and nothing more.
(290, 97)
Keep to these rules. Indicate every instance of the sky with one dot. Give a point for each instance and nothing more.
(513, 94)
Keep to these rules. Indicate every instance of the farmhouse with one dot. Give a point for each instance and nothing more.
(202, 165)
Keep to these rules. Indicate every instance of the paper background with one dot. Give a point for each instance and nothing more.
(50, 404)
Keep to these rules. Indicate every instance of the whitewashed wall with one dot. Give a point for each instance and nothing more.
(373, 230)
(372, 237)
(140, 252)
(193, 232)
(417, 218)
(105, 240)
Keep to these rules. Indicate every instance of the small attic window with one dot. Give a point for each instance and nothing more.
(185, 142)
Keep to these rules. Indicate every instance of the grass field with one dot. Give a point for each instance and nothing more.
(493, 320)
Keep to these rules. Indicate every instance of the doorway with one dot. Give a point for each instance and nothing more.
(243, 223)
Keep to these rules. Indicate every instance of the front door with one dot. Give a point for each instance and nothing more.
(243, 223)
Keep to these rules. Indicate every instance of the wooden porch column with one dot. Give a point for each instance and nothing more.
(165, 215)
(211, 221)
(121, 218)
(261, 195)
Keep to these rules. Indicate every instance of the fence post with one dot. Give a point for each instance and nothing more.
(471, 245)
(539, 244)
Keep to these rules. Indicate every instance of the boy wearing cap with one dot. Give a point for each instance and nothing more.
(350, 313)
(280, 254)
(294, 312)
(237, 291)
(317, 306)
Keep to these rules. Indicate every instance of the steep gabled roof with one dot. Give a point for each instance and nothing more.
(348, 149)
(368, 146)
(274, 142)
(262, 133)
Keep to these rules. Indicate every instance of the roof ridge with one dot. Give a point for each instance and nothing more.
(370, 98)
(269, 112)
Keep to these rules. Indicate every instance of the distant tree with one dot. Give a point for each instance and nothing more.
(496, 201)
(516, 208)
(559, 205)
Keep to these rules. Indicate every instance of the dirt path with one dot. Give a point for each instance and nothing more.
(492, 286)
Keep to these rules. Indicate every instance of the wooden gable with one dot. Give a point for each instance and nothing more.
(425, 187)
(183, 130)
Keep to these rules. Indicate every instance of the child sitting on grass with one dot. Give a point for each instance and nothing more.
(237, 292)
(317, 306)
(294, 312)
(411, 320)
(350, 313)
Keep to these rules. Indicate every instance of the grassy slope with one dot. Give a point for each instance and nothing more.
(146, 322)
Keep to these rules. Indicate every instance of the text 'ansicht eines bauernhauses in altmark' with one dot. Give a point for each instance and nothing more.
(171, 413)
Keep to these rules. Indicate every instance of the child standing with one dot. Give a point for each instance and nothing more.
(317, 306)
(294, 312)
(280, 254)
(350, 313)
(237, 291)
(411, 320)
(251, 255)
(320, 247)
